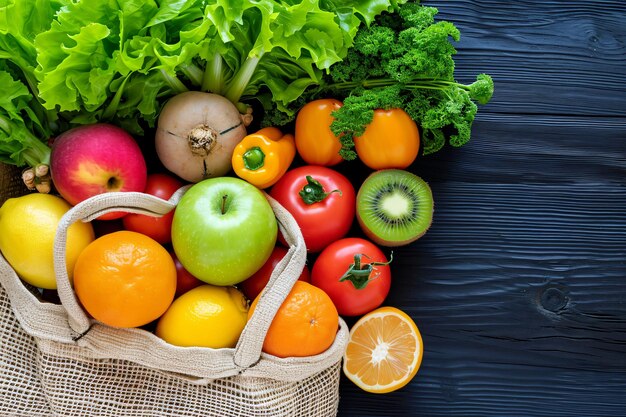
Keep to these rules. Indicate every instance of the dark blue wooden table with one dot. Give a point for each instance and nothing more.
(519, 287)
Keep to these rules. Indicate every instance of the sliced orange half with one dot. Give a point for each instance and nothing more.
(384, 351)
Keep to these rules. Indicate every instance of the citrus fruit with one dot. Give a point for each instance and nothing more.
(384, 351)
(305, 324)
(125, 279)
(206, 316)
(28, 226)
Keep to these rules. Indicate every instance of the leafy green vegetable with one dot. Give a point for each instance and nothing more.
(405, 60)
(20, 21)
(119, 61)
(109, 60)
(65, 63)
(18, 126)
(411, 58)
(25, 126)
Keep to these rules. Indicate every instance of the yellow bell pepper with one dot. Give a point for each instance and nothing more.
(263, 157)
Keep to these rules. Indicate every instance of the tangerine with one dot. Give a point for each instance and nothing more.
(125, 279)
(306, 323)
(384, 351)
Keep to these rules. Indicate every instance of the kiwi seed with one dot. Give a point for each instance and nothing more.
(394, 207)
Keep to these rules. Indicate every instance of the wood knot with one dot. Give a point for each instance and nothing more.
(553, 299)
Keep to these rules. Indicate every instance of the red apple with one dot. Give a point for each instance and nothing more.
(95, 159)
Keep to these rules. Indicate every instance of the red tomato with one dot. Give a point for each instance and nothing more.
(338, 259)
(253, 286)
(184, 280)
(331, 206)
(158, 228)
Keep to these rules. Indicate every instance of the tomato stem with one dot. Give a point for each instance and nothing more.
(313, 191)
(361, 275)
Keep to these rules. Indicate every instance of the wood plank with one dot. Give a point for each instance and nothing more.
(512, 149)
(546, 57)
(519, 292)
(518, 287)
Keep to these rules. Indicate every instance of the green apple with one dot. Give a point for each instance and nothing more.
(224, 230)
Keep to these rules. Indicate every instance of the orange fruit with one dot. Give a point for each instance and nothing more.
(384, 351)
(207, 316)
(125, 279)
(305, 324)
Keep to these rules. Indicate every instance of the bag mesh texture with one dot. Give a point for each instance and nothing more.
(43, 377)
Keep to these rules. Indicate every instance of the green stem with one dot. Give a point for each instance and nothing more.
(45, 116)
(194, 74)
(111, 109)
(313, 192)
(35, 151)
(241, 79)
(416, 83)
(174, 83)
(4, 125)
(38, 153)
(361, 275)
(213, 78)
(31, 80)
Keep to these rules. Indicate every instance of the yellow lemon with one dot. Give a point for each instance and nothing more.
(28, 225)
(206, 316)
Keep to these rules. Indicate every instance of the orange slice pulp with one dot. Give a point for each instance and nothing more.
(384, 351)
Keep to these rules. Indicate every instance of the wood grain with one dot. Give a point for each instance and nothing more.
(519, 287)
(546, 57)
(519, 291)
(513, 148)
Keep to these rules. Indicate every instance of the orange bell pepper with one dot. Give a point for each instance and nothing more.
(263, 157)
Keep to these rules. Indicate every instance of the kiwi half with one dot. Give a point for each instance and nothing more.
(394, 207)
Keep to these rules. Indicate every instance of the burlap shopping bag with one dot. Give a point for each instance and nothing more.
(57, 361)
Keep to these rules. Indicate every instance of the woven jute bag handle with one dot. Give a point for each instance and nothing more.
(248, 349)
